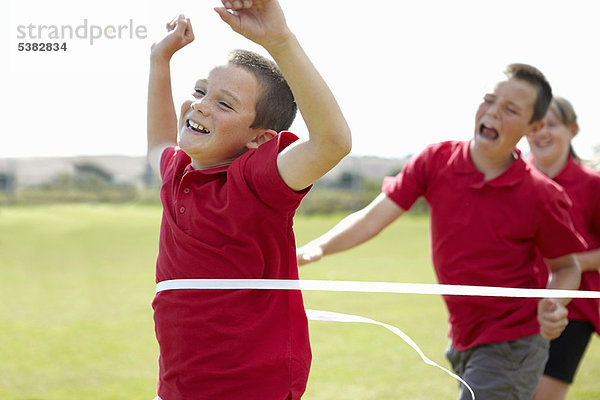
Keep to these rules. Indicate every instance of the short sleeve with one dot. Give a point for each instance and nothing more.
(171, 160)
(260, 171)
(556, 236)
(412, 182)
(596, 205)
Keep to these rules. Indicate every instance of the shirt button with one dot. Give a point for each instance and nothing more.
(186, 190)
(182, 209)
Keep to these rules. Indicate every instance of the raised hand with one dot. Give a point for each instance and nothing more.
(261, 21)
(179, 35)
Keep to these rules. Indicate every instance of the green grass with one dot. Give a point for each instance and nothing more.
(76, 283)
(75, 316)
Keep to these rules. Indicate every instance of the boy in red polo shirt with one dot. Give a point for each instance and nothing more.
(489, 212)
(230, 187)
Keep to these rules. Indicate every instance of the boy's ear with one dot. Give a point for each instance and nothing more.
(261, 137)
(535, 128)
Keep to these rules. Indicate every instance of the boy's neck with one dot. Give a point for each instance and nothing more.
(491, 167)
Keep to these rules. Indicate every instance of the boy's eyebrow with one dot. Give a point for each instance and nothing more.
(231, 95)
(514, 105)
(510, 102)
(204, 82)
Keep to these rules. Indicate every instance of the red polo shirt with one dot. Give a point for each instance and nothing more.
(229, 222)
(486, 233)
(583, 187)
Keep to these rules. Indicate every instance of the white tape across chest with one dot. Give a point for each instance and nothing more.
(372, 287)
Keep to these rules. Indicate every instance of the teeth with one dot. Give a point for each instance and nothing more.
(197, 127)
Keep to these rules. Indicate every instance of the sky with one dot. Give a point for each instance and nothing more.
(406, 74)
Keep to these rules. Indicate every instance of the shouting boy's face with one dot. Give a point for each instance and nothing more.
(504, 117)
(214, 126)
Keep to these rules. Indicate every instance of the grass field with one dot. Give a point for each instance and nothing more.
(76, 282)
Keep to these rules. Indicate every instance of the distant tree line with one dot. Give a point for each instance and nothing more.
(89, 183)
(349, 192)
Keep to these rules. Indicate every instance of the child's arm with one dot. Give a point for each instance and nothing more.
(162, 119)
(589, 260)
(301, 164)
(353, 230)
(552, 313)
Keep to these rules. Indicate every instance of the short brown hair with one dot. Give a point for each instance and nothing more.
(275, 106)
(534, 77)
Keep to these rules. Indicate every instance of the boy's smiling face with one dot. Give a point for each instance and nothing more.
(503, 118)
(214, 125)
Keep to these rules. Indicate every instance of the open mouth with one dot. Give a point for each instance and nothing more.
(196, 127)
(488, 133)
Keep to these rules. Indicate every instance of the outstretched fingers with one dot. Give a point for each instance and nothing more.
(231, 19)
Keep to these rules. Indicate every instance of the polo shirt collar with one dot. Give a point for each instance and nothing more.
(463, 165)
(209, 171)
(569, 173)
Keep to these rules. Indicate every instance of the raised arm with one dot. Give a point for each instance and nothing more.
(353, 230)
(301, 164)
(161, 118)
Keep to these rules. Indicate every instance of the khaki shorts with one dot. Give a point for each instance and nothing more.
(501, 371)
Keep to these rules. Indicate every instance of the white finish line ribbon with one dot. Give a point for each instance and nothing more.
(373, 287)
